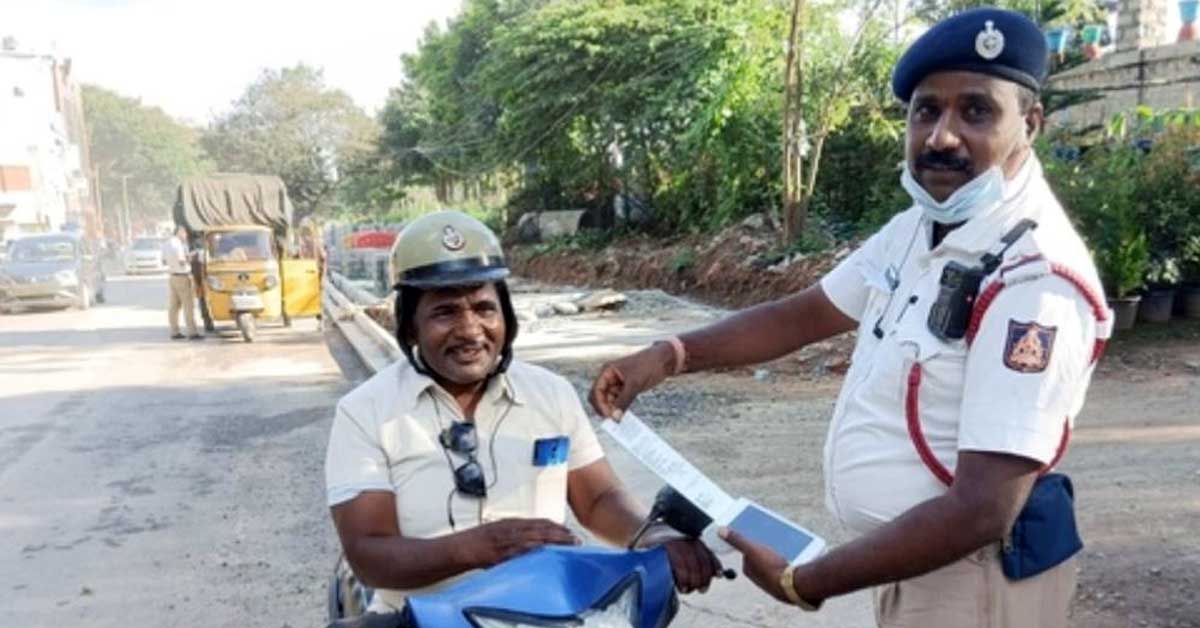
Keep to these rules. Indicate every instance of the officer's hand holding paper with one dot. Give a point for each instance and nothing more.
(749, 520)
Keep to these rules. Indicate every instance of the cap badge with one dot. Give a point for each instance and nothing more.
(452, 239)
(989, 43)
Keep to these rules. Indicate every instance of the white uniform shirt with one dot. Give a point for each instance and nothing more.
(969, 399)
(175, 256)
(385, 438)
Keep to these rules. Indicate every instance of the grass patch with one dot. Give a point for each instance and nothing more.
(589, 240)
(683, 260)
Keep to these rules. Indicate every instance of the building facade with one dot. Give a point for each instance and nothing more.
(1147, 67)
(46, 181)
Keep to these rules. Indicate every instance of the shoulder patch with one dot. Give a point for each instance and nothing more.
(1028, 346)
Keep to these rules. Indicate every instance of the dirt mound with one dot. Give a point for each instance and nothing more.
(737, 267)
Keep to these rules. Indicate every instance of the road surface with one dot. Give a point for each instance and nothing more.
(145, 481)
(150, 482)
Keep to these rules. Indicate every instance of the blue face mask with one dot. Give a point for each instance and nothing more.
(977, 196)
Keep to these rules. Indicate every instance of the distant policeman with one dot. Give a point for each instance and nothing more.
(979, 316)
(181, 294)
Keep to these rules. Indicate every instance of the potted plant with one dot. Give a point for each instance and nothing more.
(1092, 44)
(1158, 301)
(1122, 264)
(1189, 292)
(1103, 194)
(1187, 19)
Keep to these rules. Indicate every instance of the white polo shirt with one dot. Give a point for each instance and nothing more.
(1005, 393)
(385, 438)
(175, 256)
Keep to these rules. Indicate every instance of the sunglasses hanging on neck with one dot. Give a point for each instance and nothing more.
(462, 439)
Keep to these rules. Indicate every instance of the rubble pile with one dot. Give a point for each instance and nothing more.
(741, 265)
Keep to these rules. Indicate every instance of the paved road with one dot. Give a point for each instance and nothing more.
(148, 482)
(145, 481)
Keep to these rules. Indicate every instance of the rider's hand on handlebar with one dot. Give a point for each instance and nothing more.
(496, 542)
(693, 564)
(622, 380)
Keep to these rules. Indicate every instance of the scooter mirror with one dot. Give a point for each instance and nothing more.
(676, 511)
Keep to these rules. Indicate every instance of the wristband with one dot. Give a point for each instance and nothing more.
(787, 582)
(680, 353)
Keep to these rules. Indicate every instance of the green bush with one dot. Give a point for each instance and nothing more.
(1101, 193)
(683, 260)
(1189, 260)
(1135, 196)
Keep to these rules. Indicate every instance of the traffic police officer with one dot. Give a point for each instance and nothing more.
(979, 316)
(463, 456)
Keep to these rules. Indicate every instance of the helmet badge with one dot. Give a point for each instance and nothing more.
(989, 43)
(452, 239)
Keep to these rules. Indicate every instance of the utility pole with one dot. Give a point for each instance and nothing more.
(95, 186)
(793, 127)
(125, 205)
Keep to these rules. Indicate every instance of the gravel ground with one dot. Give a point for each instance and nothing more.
(760, 432)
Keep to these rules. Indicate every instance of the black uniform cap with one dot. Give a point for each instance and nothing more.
(987, 40)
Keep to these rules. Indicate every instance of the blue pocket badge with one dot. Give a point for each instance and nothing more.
(551, 451)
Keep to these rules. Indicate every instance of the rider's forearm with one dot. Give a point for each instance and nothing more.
(615, 517)
(765, 332)
(397, 562)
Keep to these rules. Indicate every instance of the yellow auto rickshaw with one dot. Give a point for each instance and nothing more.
(246, 280)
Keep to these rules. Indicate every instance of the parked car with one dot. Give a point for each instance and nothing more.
(55, 270)
(145, 256)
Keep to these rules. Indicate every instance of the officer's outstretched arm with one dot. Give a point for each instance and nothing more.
(757, 334)
(979, 509)
(767, 331)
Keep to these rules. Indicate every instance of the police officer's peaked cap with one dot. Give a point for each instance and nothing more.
(987, 40)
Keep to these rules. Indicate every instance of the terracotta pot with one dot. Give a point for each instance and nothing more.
(1124, 312)
(1157, 305)
(1188, 32)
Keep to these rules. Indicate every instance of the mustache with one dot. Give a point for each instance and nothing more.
(935, 160)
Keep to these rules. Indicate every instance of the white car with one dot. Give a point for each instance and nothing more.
(145, 256)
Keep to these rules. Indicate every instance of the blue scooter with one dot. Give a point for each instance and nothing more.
(563, 586)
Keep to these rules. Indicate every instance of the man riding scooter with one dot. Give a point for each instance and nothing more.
(462, 457)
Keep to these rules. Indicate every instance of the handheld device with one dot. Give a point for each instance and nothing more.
(763, 526)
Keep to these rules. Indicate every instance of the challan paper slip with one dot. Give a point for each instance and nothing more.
(753, 521)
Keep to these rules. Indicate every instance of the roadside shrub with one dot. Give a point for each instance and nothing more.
(1100, 192)
(685, 259)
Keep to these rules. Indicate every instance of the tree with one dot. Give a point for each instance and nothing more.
(288, 123)
(1044, 12)
(674, 105)
(665, 100)
(139, 150)
(832, 76)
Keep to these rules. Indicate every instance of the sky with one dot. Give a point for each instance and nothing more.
(193, 58)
